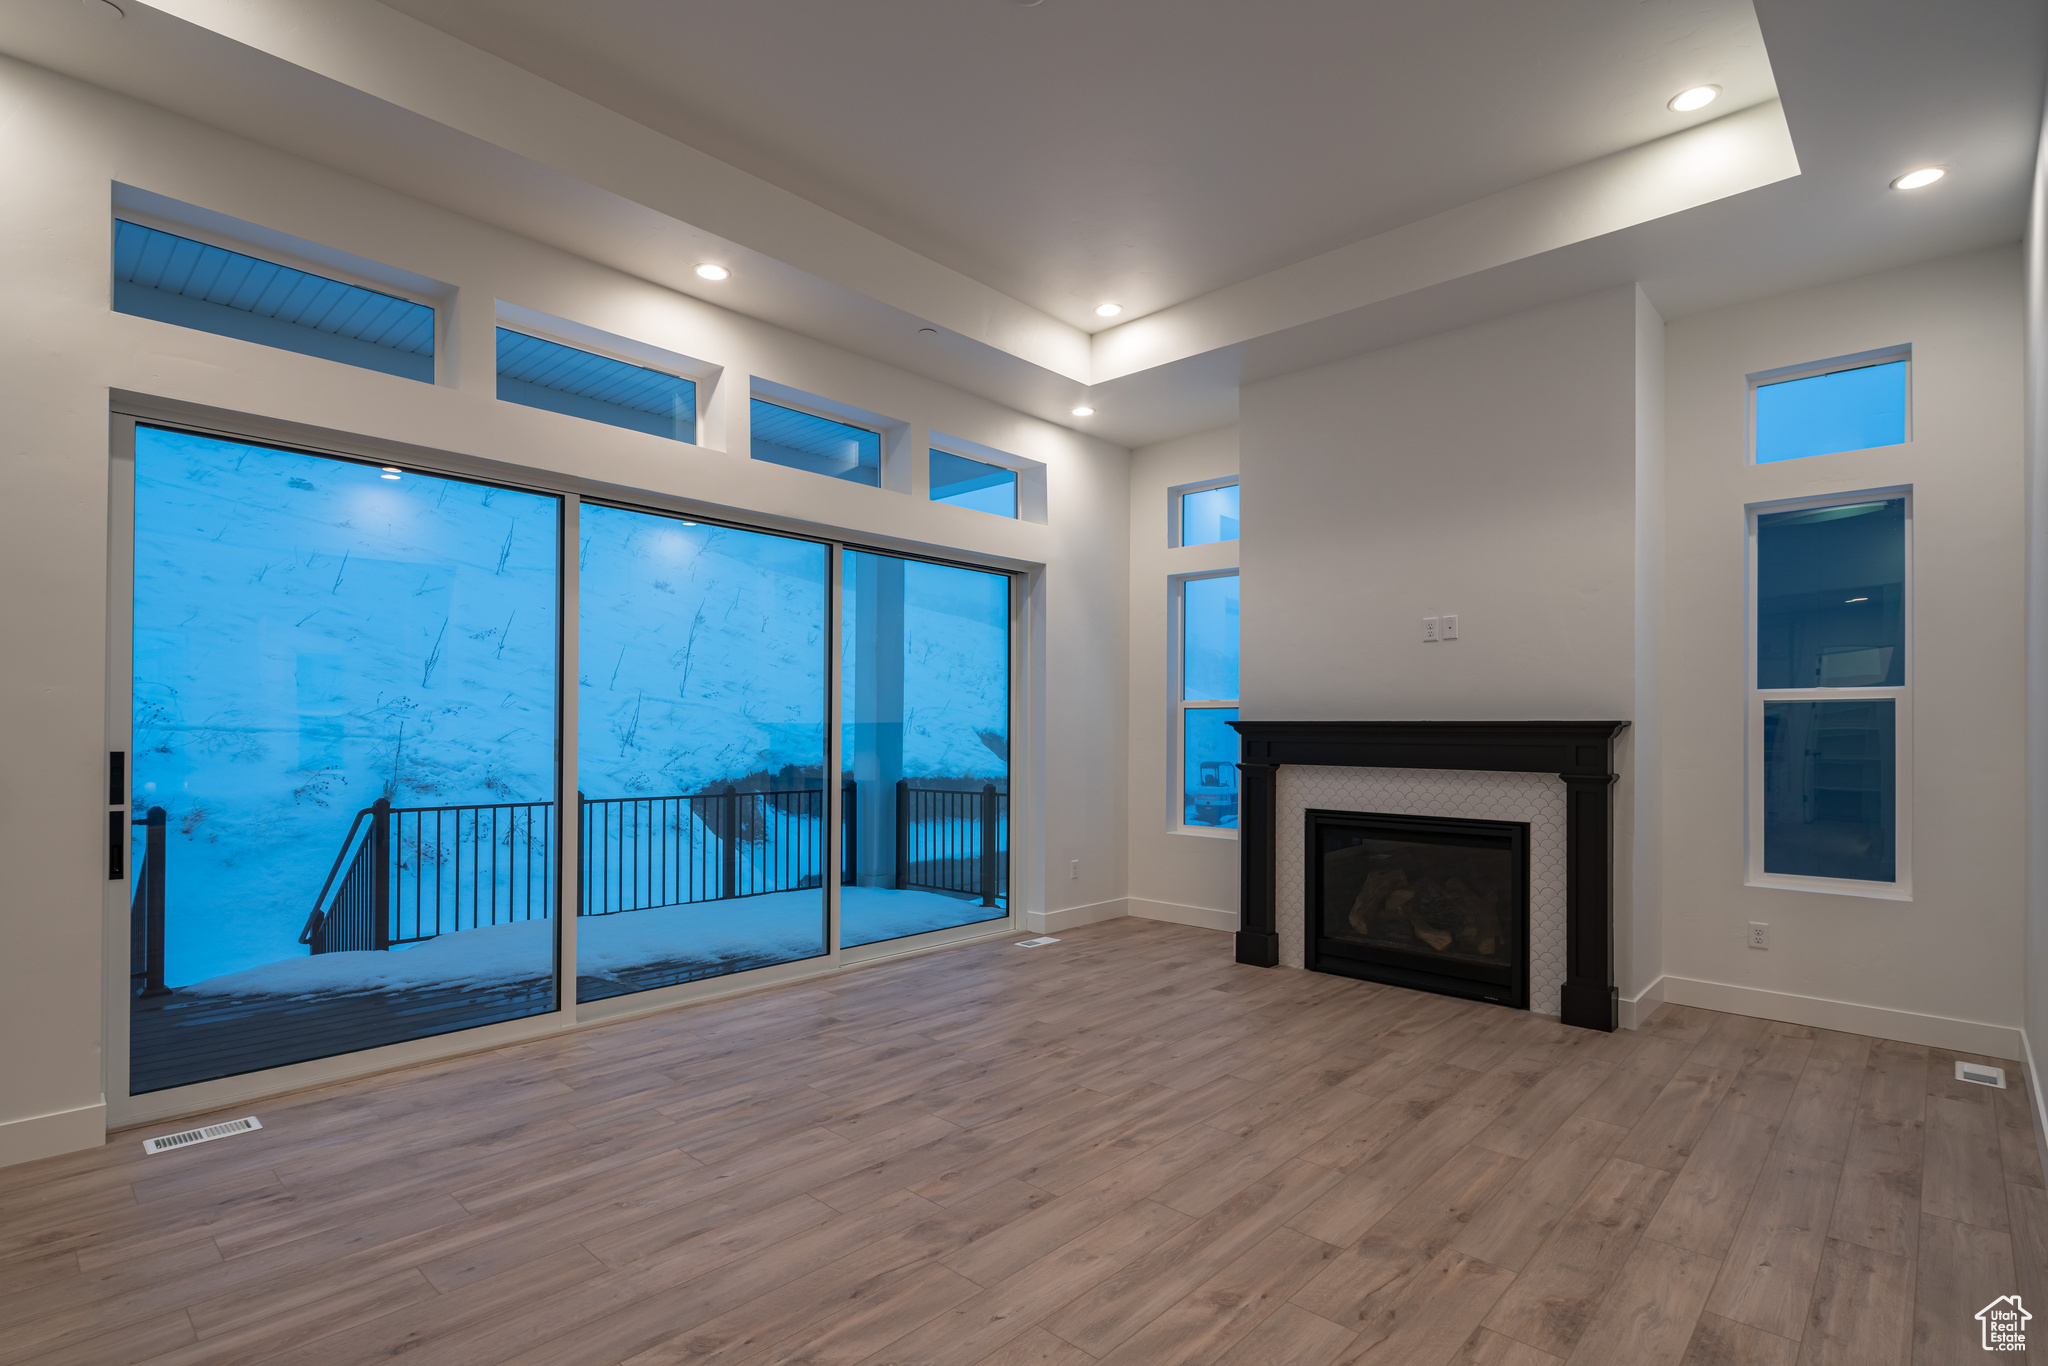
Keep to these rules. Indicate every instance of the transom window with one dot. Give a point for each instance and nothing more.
(566, 379)
(805, 441)
(1848, 405)
(976, 484)
(1204, 514)
(177, 280)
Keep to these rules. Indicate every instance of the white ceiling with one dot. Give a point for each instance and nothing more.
(1146, 151)
(1274, 197)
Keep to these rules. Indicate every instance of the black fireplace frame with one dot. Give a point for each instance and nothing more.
(1581, 753)
(1420, 971)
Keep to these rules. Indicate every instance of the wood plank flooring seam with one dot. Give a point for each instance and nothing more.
(1014, 1158)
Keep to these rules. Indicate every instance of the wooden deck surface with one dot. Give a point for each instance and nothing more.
(1120, 1148)
(179, 1039)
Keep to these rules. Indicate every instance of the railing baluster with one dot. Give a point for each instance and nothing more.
(148, 900)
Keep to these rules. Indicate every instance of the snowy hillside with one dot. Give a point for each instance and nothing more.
(311, 635)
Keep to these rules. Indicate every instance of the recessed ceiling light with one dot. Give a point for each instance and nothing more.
(1699, 97)
(1913, 180)
(1084, 411)
(1108, 310)
(709, 271)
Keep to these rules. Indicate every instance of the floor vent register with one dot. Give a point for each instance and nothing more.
(224, 1129)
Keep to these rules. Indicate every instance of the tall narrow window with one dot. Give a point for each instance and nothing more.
(344, 736)
(838, 450)
(192, 284)
(1829, 706)
(562, 379)
(925, 697)
(1207, 701)
(701, 750)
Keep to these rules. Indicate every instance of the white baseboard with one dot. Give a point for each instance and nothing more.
(1636, 1009)
(1879, 1022)
(2034, 1090)
(1073, 917)
(67, 1131)
(1199, 916)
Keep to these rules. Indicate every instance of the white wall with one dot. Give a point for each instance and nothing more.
(65, 144)
(1488, 472)
(1946, 967)
(1175, 875)
(1641, 861)
(2035, 253)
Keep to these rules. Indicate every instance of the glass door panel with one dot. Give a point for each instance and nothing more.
(701, 757)
(344, 737)
(925, 724)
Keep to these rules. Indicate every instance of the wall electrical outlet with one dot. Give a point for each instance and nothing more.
(1759, 935)
(1074, 870)
(1428, 630)
(1448, 627)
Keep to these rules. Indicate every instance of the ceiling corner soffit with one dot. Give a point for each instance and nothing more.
(1734, 154)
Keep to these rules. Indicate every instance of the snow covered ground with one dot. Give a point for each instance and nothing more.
(310, 636)
(780, 926)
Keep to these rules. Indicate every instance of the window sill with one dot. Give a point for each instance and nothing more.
(1827, 886)
(1204, 832)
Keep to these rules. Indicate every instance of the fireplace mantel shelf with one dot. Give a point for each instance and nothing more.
(1578, 752)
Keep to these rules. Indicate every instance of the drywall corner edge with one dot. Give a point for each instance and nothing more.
(1201, 917)
(1639, 1007)
(2034, 1090)
(64, 1131)
(1074, 917)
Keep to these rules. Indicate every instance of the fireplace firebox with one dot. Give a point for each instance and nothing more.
(1434, 903)
(1580, 753)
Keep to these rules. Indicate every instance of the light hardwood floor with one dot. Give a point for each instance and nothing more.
(1120, 1148)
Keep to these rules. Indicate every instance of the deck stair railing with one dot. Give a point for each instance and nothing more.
(406, 874)
(146, 911)
(643, 853)
(948, 840)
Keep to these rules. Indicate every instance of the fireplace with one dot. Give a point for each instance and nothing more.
(1430, 902)
(1579, 753)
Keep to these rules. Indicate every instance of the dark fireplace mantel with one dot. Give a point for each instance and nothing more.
(1579, 752)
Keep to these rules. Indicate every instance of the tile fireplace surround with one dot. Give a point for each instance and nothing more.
(1444, 768)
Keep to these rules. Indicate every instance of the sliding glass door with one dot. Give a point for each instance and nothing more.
(343, 789)
(925, 743)
(701, 753)
(344, 815)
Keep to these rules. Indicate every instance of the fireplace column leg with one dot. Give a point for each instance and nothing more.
(1258, 935)
(1588, 996)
